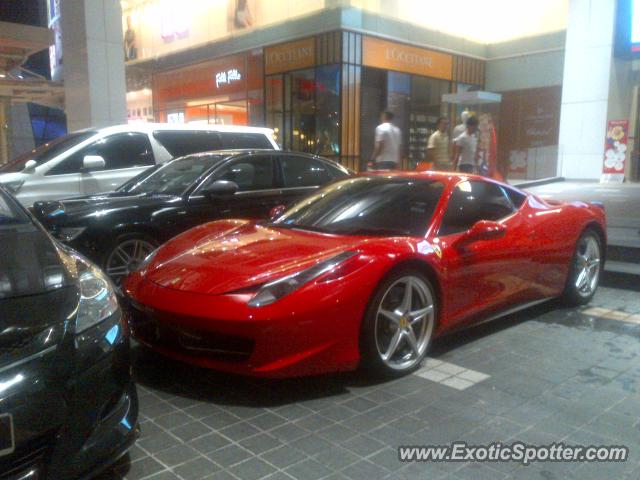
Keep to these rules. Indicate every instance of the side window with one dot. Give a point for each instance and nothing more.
(179, 143)
(71, 164)
(471, 202)
(304, 172)
(125, 150)
(250, 173)
(517, 198)
(244, 140)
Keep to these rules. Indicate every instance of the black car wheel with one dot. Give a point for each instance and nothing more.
(398, 324)
(126, 252)
(584, 270)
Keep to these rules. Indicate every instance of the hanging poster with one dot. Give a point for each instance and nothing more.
(615, 151)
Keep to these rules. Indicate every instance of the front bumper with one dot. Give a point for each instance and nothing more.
(71, 421)
(309, 332)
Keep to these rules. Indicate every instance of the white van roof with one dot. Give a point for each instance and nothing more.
(151, 127)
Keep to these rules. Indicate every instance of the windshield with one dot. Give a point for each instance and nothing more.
(384, 206)
(172, 178)
(10, 212)
(47, 151)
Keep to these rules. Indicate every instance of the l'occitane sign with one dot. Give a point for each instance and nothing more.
(290, 56)
(405, 58)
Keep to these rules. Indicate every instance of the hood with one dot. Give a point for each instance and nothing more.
(222, 257)
(95, 205)
(11, 177)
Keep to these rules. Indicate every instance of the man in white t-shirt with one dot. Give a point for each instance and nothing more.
(465, 147)
(386, 152)
(461, 127)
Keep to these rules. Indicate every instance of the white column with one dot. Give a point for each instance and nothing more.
(93, 59)
(586, 85)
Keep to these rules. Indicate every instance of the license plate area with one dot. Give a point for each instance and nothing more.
(7, 439)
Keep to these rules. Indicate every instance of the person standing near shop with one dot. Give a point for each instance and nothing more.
(438, 146)
(462, 126)
(465, 148)
(388, 141)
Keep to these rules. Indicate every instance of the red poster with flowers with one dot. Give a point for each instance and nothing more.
(615, 150)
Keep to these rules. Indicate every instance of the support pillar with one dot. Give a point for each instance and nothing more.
(93, 63)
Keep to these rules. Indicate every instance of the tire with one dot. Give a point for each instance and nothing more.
(125, 252)
(393, 319)
(585, 270)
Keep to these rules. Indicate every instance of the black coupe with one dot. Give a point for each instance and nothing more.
(118, 230)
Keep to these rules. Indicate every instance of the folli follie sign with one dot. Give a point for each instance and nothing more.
(405, 58)
(290, 56)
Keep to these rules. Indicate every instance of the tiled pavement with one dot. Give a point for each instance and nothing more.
(546, 375)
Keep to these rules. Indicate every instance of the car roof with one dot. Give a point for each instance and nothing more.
(152, 127)
(445, 177)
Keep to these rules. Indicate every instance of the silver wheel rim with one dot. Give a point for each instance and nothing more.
(125, 257)
(404, 323)
(587, 266)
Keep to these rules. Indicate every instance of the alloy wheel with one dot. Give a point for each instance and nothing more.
(587, 265)
(404, 323)
(124, 258)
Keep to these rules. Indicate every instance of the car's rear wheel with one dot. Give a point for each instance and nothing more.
(398, 325)
(125, 253)
(585, 269)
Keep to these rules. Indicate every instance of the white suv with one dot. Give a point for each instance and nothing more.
(99, 160)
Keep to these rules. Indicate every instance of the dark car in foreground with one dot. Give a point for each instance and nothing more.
(119, 229)
(68, 405)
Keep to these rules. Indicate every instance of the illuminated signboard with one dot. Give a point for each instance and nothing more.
(628, 29)
(227, 77)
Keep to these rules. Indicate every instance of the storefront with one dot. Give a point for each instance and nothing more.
(224, 91)
(321, 94)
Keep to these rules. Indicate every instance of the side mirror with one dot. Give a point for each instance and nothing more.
(93, 162)
(276, 211)
(220, 188)
(482, 231)
(30, 166)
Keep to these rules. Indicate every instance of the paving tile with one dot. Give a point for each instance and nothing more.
(457, 383)
(252, 469)
(209, 443)
(229, 455)
(308, 470)
(283, 457)
(196, 469)
(176, 455)
(239, 431)
(141, 468)
(191, 431)
(173, 420)
(260, 443)
(337, 458)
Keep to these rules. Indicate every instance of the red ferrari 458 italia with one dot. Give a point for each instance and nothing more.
(365, 272)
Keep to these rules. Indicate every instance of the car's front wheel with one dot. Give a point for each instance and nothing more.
(126, 252)
(585, 269)
(398, 325)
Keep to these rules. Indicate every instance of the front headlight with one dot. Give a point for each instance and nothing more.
(69, 234)
(275, 290)
(97, 299)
